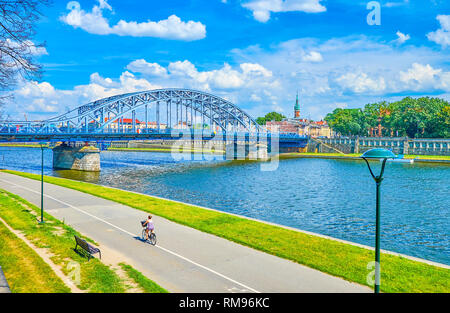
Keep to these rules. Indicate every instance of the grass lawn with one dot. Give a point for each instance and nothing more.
(143, 282)
(330, 256)
(24, 269)
(58, 238)
(31, 145)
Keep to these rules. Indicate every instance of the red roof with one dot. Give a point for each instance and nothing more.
(125, 120)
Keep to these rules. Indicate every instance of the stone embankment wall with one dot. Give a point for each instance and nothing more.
(400, 145)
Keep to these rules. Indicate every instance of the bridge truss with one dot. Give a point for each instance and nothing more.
(146, 111)
(153, 114)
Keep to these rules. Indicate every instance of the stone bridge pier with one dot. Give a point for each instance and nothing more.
(86, 158)
(246, 151)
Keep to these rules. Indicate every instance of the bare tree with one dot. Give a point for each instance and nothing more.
(17, 50)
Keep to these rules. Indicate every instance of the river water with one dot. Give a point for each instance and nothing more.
(330, 197)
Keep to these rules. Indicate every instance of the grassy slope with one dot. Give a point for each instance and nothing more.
(24, 269)
(339, 259)
(95, 276)
(143, 282)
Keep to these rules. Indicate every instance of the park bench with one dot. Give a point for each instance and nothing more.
(86, 247)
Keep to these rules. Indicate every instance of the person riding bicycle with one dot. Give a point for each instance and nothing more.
(149, 226)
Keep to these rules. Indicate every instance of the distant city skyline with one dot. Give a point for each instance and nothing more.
(254, 53)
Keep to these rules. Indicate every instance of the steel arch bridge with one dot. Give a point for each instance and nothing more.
(152, 114)
(174, 108)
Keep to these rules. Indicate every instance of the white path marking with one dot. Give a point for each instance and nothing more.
(134, 235)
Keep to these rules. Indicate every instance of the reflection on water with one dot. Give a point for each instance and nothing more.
(331, 197)
(90, 177)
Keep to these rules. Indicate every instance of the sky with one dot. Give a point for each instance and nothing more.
(255, 53)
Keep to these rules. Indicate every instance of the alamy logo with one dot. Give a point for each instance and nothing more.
(74, 272)
(374, 274)
(374, 16)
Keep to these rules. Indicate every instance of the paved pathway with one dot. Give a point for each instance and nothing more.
(184, 259)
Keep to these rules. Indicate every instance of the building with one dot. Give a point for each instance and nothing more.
(127, 124)
(302, 127)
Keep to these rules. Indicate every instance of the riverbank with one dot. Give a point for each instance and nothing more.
(356, 156)
(327, 255)
(168, 150)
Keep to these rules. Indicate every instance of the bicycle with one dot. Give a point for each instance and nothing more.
(151, 236)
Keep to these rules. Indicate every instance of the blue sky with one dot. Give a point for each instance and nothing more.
(255, 53)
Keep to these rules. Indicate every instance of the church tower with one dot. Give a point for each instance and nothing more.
(297, 108)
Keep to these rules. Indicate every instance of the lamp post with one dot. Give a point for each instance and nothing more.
(42, 183)
(378, 154)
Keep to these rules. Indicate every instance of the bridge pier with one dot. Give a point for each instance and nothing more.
(86, 158)
(247, 151)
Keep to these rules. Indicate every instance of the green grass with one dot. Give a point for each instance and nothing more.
(428, 157)
(24, 269)
(329, 256)
(58, 239)
(143, 282)
(31, 145)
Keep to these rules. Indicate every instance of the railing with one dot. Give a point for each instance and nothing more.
(399, 145)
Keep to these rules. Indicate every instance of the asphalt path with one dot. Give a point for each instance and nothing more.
(184, 259)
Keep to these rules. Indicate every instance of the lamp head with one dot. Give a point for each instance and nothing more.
(378, 153)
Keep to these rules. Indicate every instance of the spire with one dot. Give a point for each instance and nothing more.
(297, 108)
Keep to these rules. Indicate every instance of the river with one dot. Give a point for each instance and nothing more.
(330, 197)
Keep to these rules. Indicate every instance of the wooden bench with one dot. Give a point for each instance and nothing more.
(86, 247)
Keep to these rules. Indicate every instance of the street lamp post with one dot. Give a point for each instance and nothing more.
(378, 154)
(42, 183)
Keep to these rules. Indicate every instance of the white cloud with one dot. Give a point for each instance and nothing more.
(313, 56)
(142, 66)
(252, 69)
(442, 35)
(223, 78)
(27, 46)
(422, 77)
(262, 8)
(35, 89)
(256, 98)
(402, 38)
(361, 83)
(95, 23)
(396, 4)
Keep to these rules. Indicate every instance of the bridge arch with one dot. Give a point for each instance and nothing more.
(176, 107)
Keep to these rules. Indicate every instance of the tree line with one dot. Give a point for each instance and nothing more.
(413, 117)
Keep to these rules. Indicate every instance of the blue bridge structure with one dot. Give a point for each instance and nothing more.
(162, 114)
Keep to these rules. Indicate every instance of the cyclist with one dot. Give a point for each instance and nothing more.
(149, 226)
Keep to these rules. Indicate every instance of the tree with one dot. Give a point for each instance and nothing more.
(347, 122)
(272, 116)
(377, 116)
(17, 50)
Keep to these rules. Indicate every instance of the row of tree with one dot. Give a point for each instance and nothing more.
(416, 118)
